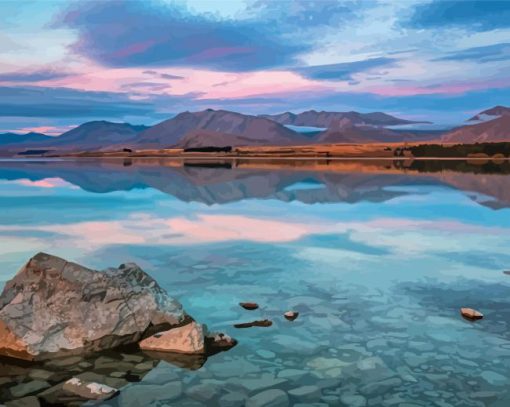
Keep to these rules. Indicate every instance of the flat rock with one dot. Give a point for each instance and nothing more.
(185, 339)
(471, 314)
(249, 305)
(89, 390)
(269, 398)
(260, 323)
(52, 306)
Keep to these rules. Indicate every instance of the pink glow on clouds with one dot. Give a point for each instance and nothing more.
(228, 85)
(233, 85)
(48, 130)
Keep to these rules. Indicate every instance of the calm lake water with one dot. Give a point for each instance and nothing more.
(377, 257)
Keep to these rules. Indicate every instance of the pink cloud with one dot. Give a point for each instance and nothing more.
(48, 130)
(236, 85)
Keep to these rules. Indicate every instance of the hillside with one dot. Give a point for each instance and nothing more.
(345, 131)
(496, 130)
(98, 135)
(490, 114)
(213, 127)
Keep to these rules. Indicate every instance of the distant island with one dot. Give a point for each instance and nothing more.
(231, 134)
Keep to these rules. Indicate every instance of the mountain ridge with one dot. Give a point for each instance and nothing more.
(325, 119)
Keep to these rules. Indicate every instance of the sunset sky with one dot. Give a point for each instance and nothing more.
(66, 62)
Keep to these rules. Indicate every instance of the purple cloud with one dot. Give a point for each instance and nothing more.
(344, 71)
(128, 33)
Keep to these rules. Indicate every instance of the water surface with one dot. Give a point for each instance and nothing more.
(377, 258)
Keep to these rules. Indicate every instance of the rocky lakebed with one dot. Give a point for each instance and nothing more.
(72, 336)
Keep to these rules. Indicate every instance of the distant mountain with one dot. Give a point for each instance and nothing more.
(97, 135)
(217, 128)
(345, 131)
(490, 114)
(14, 138)
(491, 131)
(326, 119)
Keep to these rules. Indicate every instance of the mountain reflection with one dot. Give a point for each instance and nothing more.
(306, 181)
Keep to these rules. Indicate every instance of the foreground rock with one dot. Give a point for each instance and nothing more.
(89, 390)
(471, 314)
(53, 306)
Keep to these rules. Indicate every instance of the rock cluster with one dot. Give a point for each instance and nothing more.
(53, 306)
(58, 312)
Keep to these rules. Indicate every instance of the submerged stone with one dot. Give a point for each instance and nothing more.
(269, 398)
(89, 390)
(305, 393)
(26, 389)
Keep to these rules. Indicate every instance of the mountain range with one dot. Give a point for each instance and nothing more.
(14, 138)
(221, 128)
(323, 119)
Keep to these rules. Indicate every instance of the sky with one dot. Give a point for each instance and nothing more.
(63, 63)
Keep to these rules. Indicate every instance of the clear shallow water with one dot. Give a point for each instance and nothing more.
(377, 260)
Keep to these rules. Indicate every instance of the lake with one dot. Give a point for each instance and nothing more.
(377, 256)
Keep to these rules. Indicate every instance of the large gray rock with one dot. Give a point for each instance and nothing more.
(53, 306)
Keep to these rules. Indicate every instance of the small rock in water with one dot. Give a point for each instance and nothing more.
(291, 315)
(262, 323)
(471, 314)
(507, 272)
(185, 339)
(89, 390)
(249, 305)
(218, 341)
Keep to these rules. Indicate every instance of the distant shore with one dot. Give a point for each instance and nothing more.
(497, 152)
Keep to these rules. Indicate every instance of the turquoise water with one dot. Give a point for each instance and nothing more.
(378, 263)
